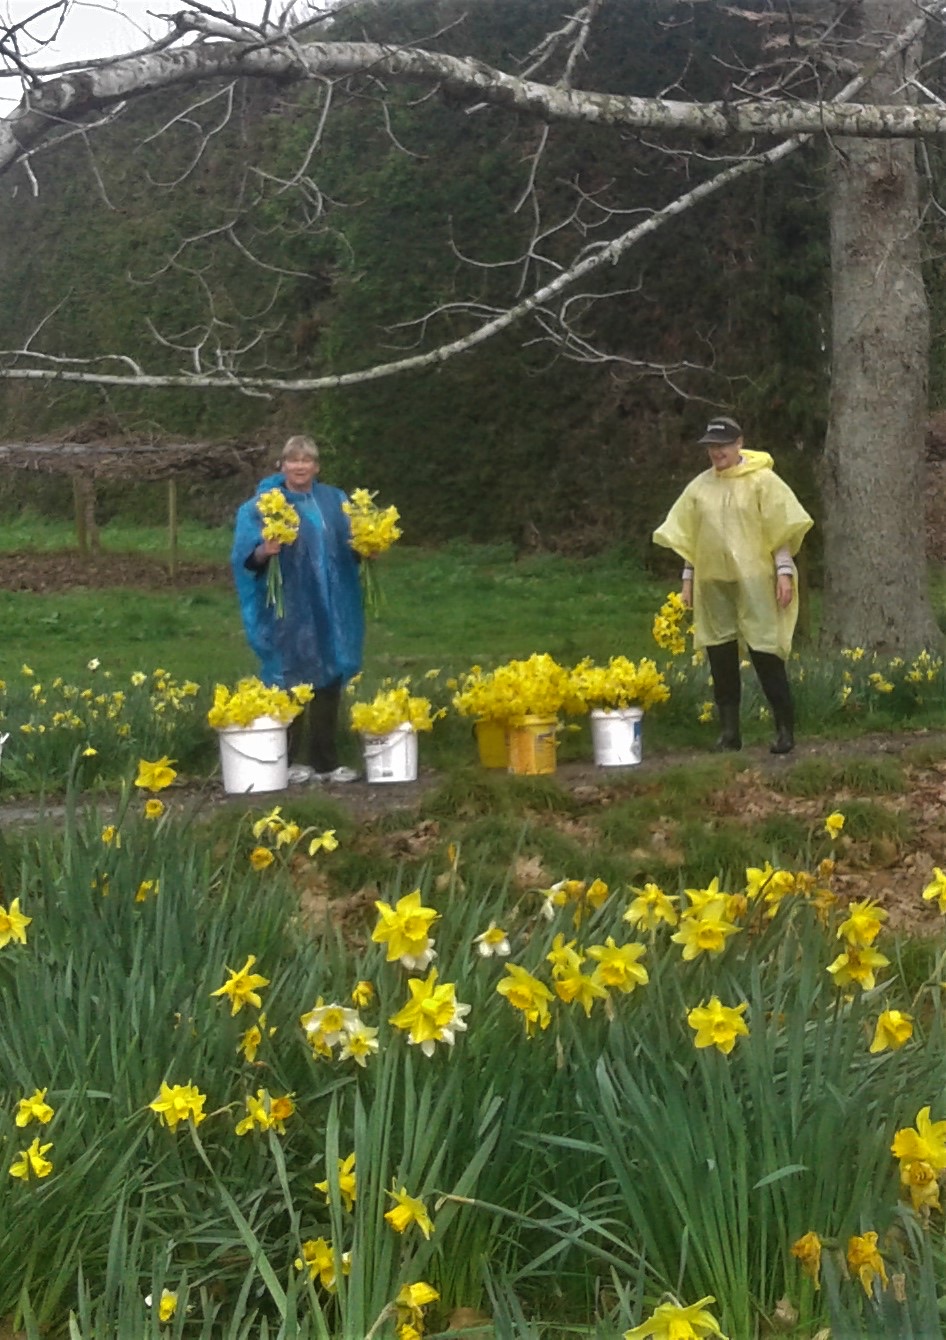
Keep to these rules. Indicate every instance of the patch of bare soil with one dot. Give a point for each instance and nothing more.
(891, 871)
(66, 570)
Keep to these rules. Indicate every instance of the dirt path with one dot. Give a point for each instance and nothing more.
(893, 870)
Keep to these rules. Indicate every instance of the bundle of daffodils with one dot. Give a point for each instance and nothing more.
(373, 530)
(618, 684)
(668, 630)
(252, 699)
(392, 706)
(538, 687)
(280, 523)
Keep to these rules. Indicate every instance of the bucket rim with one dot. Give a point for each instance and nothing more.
(404, 728)
(257, 724)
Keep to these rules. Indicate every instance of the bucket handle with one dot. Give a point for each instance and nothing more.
(255, 758)
(383, 747)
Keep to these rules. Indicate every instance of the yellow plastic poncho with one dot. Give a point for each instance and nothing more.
(728, 524)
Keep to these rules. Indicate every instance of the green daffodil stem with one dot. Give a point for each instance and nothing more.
(386, 1312)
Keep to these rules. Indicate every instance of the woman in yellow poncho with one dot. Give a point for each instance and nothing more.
(737, 527)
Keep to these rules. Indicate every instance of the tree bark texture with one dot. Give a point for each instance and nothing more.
(876, 592)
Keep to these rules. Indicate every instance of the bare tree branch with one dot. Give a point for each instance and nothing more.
(229, 53)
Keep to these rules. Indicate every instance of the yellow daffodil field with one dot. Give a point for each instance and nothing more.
(649, 1058)
(539, 1107)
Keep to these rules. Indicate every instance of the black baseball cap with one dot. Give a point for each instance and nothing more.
(721, 431)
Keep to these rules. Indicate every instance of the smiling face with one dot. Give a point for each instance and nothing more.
(723, 455)
(299, 470)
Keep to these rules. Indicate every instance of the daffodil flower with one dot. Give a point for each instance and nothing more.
(718, 1025)
(527, 994)
(179, 1102)
(13, 924)
(432, 1014)
(492, 941)
(32, 1162)
(894, 1029)
(926, 1141)
(34, 1108)
(935, 891)
(807, 1250)
(404, 930)
(362, 994)
(318, 1257)
(167, 1304)
(670, 1321)
(866, 1261)
(347, 1183)
(155, 776)
(408, 1210)
(833, 824)
(619, 966)
(241, 986)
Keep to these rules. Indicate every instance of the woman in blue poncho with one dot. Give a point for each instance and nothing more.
(320, 636)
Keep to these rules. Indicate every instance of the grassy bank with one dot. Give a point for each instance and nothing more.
(444, 610)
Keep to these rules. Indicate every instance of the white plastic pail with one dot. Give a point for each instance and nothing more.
(254, 757)
(616, 736)
(391, 757)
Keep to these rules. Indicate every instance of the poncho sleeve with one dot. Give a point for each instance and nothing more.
(784, 521)
(679, 531)
(258, 621)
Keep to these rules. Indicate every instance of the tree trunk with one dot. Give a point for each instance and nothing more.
(874, 470)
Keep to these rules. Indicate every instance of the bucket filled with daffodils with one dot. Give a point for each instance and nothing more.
(616, 696)
(523, 699)
(251, 722)
(388, 727)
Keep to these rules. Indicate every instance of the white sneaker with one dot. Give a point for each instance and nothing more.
(300, 772)
(340, 774)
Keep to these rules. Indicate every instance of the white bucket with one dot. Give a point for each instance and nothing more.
(254, 757)
(391, 757)
(616, 736)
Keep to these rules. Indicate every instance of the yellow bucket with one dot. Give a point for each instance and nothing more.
(491, 743)
(532, 746)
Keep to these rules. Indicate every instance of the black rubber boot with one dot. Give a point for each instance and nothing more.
(729, 734)
(727, 690)
(784, 732)
(774, 680)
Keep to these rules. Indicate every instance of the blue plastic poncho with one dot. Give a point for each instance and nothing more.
(319, 639)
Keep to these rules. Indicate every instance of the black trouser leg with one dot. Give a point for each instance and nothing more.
(298, 738)
(774, 680)
(727, 690)
(323, 725)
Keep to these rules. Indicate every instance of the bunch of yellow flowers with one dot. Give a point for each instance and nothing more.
(280, 523)
(252, 699)
(373, 529)
(668, 630)
(537, 687)
(392, 706)
(280, 518)
(618, 684)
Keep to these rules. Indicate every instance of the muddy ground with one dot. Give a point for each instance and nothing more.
(66, 571)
